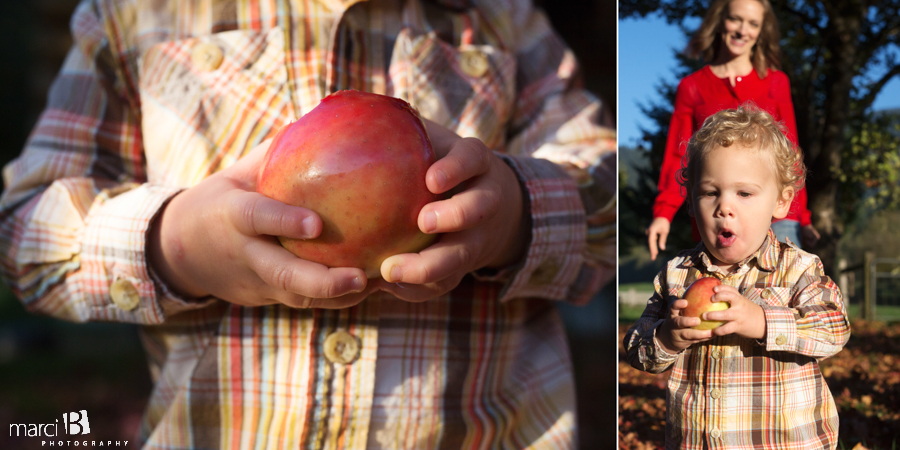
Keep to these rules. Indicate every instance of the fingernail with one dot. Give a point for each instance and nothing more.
(396, 274)
(357, 284)
(441, 178)
(429, 222)
(308, 226)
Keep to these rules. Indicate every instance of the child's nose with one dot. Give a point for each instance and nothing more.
(726, 208)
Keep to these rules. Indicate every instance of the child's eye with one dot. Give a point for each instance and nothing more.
(744, 194)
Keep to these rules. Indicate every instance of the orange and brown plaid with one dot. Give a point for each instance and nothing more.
(738, 393)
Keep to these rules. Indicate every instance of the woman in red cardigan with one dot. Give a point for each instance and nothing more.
(740, 40)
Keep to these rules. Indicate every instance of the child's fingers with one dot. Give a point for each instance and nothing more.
(445, 258)
(253, 215)
(467, 159)
(464, 210)
(685, 322)
(721, 316)
(284, 272)
(694, 336)
(728, 327)
(679, 304)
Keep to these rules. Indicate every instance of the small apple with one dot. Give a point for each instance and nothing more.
(698, 296)
(359, 161)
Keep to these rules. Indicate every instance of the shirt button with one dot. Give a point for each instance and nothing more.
(716, 354)
(715, 433)
(766, 293)
(780, 339)
(715, 393)
(341, 347)
(124, 294)
(473, 62)
(739, 78)
(207, 56)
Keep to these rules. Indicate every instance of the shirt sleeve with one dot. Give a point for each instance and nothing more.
(815, 324)
(781, 92)
(76, 206)
(642, 349)
(563, 151)
(681, 127)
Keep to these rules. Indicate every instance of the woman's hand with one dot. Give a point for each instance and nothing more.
(216, 238)
(809, 236)
(658, 230)
(482, 224)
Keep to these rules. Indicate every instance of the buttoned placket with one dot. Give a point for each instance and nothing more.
(716, 380)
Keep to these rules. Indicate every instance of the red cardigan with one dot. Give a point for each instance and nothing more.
(702, 94)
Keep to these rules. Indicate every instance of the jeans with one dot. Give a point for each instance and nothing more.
(787, 229)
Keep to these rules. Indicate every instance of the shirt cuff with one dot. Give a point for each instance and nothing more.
(781, 329)
(554, 259)
(116, 277)
(660, 356)
(172, 303)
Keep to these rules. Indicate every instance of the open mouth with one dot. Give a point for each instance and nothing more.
(725, 238)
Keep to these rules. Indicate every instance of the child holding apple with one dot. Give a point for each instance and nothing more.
(754, 381)
(135, 201)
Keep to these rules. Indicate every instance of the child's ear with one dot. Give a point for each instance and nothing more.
(783, 204)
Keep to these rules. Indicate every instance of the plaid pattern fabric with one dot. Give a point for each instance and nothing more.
(135, 116)
(738, 393)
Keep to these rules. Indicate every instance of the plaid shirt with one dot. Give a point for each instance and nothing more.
(738, 393)
(157, 95)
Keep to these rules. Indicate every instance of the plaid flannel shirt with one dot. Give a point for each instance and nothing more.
(739, 393)
(156, 95)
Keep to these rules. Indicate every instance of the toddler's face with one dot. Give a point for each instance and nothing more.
(735, 197)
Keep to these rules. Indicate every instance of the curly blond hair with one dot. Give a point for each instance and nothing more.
(750, 127)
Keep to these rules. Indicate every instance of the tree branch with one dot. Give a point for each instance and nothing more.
(877, 86)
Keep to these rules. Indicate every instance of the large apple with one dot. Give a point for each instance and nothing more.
(699, 295)
(359, 161)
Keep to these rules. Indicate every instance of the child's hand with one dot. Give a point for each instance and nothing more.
(216, 238)
(743, 318)
(676, 332)
(482, 224)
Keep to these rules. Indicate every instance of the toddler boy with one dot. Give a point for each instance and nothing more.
(754, 382)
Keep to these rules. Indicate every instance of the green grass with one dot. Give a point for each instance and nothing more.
(640, 287)
(887, 313)
(630, 313)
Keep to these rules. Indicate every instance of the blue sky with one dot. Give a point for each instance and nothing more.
(646, 56)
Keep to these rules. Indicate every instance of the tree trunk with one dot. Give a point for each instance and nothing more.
(842, 34)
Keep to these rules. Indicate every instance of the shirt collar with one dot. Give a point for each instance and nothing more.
(766, 256)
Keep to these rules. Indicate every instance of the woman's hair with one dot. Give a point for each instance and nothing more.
(707, 41)
(749, 127)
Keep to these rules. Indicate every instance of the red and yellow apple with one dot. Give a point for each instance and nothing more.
(699, 297)
(358, 160)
